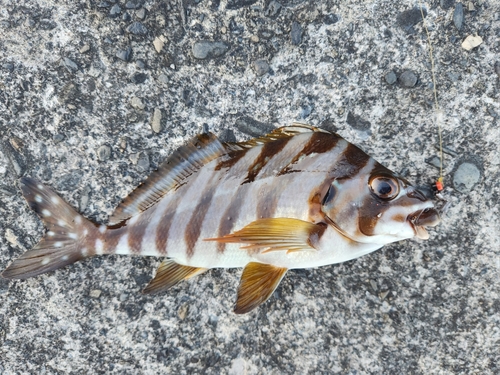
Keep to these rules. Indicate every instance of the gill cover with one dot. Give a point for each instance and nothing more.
(376, 206)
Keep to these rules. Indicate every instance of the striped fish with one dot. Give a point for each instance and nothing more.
(298, 197)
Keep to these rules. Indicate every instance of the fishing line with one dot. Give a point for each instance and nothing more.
(439, 115)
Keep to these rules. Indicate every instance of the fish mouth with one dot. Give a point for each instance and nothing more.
(420, 220)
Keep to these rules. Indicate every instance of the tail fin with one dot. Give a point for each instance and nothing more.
(63, 242)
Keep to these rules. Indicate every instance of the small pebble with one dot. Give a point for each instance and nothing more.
(357, 122)
(156, 121)
(58, 138)
(133, 5)
(85, 48)
(126, 17)
(143, 162)
(458, 16)
(384, 294)
(408, 79)
(70, 64)
(261, 67)
(227, 135)
(434, 161)
(330, 19)
(207, 49)
(492, 113)
(296, 33)
(238, 367)
(158, 44)
(390, 77)
(454, 77)
(84, 198)
(272, 9)
(306, 110)
(115, 10)
(470, 6)
(237, 4)
(137, 103)
(183, 310)
(137, 28)
(11, 237)
(140, 64)
(17, 143)
(446, 150)
(252, 127)
(163, 78)
(95, 293)
(123, 143)
(104, 152)
(139, 78)
(466, 176)
(141, 13)
(410, 18)
(471, 42)
(125, 55)
(254, 39)
(496, 67)
(9, 67)
(446, 4)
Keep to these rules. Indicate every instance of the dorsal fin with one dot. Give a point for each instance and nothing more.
(188, 159)
(283, 132)
(179, 166)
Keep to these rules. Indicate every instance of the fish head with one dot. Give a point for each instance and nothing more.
(379, 207)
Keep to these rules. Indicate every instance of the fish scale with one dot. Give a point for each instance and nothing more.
(298, 197)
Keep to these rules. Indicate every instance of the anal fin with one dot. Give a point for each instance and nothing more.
(274, 234)
(258, 282)
(170, 273)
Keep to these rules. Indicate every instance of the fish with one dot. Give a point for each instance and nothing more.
(298, 197)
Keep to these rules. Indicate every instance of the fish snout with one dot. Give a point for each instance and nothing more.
(428, 217)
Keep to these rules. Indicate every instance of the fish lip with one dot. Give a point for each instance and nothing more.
(422, 219)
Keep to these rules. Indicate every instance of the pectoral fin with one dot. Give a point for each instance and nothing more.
(274, 234)
(170, 273)
(258, 282)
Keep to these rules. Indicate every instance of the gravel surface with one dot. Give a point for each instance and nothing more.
(90, 104)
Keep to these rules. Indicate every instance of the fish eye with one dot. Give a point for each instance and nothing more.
(385, 188)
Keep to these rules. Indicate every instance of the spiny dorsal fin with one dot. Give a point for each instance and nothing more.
(273, 234)
(282, 132)
(258, 282)
(179, 166)
(170, 273)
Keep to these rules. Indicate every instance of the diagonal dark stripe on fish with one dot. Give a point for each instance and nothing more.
(299, 197)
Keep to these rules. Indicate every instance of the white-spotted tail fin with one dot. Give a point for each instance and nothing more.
(62, 244)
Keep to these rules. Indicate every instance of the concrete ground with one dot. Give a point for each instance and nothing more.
(94, 95)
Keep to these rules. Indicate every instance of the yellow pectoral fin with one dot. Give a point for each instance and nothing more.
(258, 282)
(170, 273)
(275, 234)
